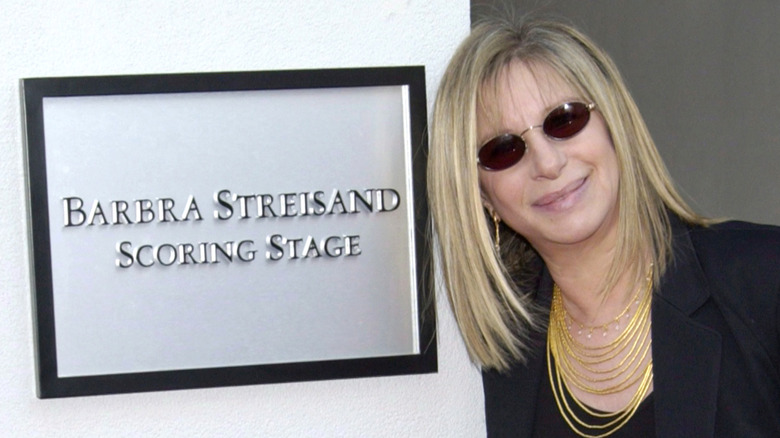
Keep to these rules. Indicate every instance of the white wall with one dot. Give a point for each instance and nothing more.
(99, 37)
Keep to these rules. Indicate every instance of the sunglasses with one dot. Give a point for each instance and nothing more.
(562, 122)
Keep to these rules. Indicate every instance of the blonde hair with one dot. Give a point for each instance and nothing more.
(489, 290)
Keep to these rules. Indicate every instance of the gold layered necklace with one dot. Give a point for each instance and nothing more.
(570, 363)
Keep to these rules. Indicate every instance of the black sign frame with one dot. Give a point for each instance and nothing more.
(50, 385)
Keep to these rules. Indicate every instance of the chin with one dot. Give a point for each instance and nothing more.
(582, 229)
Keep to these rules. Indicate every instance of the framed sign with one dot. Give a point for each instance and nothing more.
(200, 230)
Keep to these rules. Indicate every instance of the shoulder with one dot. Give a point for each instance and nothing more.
(741, 264)
(738, 250)
(746, 235)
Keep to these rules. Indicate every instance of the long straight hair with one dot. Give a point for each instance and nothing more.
(488, 289)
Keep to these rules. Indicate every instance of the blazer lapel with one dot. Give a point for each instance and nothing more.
(686, 355)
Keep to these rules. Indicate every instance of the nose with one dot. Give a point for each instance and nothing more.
(547, 157)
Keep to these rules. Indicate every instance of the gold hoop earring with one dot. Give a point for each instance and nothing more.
(497, 238)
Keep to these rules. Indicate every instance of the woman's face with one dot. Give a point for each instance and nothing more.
(562, 193)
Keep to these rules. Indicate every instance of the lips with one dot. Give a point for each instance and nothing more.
(558, 196)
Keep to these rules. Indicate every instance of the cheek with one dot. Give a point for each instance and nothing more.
(500, 192)
(612, 168)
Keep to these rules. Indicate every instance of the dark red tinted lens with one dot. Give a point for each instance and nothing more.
(501, 152)
(566, 120)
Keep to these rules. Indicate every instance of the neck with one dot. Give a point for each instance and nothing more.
(580, 272)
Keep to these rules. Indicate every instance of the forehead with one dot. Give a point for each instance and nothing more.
(521, 93)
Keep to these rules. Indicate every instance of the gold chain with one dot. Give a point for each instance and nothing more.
(604, 327)
(567, 358)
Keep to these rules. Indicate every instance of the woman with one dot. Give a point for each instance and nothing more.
(595, 300)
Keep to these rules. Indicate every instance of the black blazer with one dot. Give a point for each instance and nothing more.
(716, 341)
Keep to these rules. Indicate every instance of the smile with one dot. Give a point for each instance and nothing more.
(563, 198)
